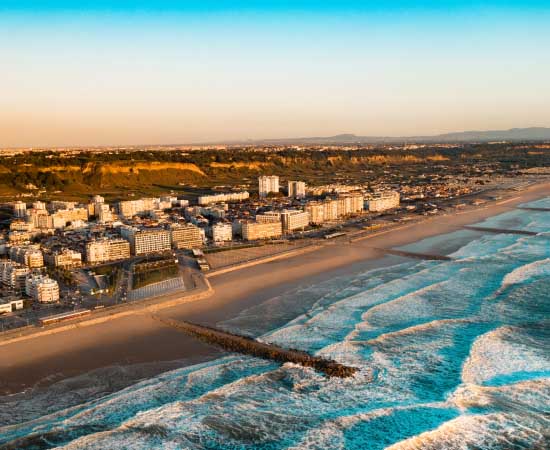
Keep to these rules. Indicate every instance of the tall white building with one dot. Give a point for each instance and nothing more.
(222, 232)
(147, 240)
(267, 184)
(296, 189)
(19, 209)
(42, 288)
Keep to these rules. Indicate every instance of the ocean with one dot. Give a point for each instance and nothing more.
(452, 355)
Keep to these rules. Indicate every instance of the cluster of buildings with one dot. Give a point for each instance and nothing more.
(66, 235)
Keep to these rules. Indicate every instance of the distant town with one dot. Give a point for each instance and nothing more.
(61, 259)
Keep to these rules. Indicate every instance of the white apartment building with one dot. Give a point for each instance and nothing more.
(333, 209)
(296, 189)
(40, 218)
(130, 208)
(64, 258)
(382, 201)
(13, 275)
(105, 250)
(62, 217)
(294, 220)
(42, 288)
(222, 232)
(147, 240)
(253, 231)
(28, 255)
(267, 184)
(19, 209)
(38, 205)
(222, 198)
(186, 236)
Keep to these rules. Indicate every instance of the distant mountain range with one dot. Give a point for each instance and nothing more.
(514, 134)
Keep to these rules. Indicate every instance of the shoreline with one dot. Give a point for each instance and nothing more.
(133, 337)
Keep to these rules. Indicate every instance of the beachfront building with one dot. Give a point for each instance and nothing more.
(66, 258)
(104, 250)
(19, 209)
(42, 288)
(186, 236)
(146, 240)
(223, 197)
(335, 208)
(297, 189)
(252, 231)
(13, 275)
(268, 184)
(222, 232)
(10, 305)
(28, 255)
(382, 201)
(291, 219)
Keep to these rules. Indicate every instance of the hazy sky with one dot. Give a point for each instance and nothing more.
(129, 72)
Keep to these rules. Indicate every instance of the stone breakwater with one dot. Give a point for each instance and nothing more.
(241, 344)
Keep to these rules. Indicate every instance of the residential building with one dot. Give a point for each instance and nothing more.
(297, 189)
(105, 250)
(146, 240)
(268, 184)
(186, 236)
(42, 288)
(62, 217)
(382, 201)
(19, 209)
(294, 220)
(252, 231)
(222, 232)
(28, 255)
(222, 198)
(13, 275)
(65, 258)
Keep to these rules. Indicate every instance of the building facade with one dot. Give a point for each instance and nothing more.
(222, 232)
(186, 236)
(42, 289)
(297, 189)
(225, 197)
(383, 201)
(253, 231)
(105, 250)
(267, 184)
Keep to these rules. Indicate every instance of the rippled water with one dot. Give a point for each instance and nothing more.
(459, 352)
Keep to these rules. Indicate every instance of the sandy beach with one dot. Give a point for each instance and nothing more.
(139, 339)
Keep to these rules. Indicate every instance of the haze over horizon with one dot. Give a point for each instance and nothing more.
(143, 72)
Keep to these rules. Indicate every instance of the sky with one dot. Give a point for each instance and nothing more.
(77, 73)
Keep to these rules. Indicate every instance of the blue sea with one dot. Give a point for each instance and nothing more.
(452, 355)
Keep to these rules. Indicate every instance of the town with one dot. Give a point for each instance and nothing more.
(63, 259)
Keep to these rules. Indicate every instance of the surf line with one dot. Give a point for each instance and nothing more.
(243, 344)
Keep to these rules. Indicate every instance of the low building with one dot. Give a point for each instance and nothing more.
(7, 306)
(186, 236)
(253, 231)
(66, 258)
(222, 198)
(105, 250)
(222, 232)
(382, 201)
(41, 288)
(61, 218)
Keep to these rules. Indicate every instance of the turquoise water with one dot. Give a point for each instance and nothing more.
(453, 354)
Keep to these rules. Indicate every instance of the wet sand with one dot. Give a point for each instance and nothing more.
(140, 339)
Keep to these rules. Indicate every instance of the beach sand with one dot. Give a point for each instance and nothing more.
(140, 339)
